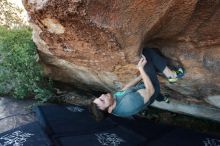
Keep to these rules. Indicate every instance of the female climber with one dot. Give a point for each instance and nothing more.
(140, 92)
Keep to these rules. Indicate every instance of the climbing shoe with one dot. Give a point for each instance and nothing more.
(166, 99)
(179, 74)
(163, 97)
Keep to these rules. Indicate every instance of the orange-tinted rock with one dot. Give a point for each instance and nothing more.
(96, 43)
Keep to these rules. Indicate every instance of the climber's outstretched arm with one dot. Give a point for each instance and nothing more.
(132, 83)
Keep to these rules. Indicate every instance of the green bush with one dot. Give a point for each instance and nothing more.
(20, 74)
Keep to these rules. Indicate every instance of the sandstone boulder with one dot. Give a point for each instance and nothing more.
(95, 44)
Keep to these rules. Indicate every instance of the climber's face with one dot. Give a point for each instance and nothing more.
(104, 101)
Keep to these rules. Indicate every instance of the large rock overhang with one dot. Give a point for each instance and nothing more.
(96, 44)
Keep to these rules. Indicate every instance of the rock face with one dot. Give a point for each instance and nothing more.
(95, 44)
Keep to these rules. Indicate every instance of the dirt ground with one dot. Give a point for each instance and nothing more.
(197, 124)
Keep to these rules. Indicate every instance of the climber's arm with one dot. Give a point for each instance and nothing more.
(132, 83)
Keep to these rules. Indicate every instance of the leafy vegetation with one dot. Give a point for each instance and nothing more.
(20, 74)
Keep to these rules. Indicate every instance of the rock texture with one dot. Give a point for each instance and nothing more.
(95, 44)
